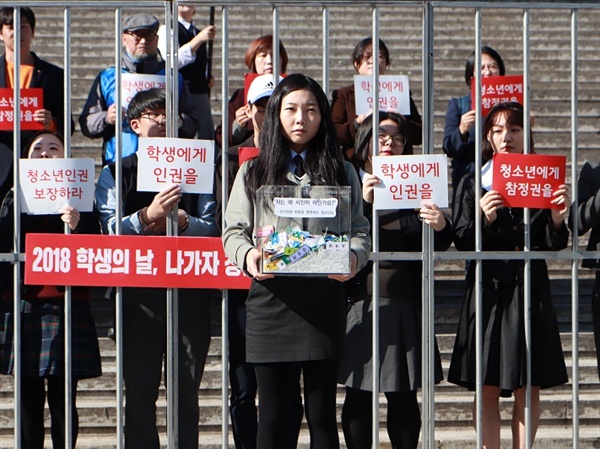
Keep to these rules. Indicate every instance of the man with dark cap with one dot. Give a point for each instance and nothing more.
(97, 120)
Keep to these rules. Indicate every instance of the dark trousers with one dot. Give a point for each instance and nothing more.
(596, 317)
(144, 351)
(32, 412)
(243, 386)
(403, 419)
(319, 402)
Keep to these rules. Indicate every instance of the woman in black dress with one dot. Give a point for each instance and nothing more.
(503, 357)
(399, 303)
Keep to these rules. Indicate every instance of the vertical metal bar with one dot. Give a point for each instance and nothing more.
(17, 225)
(478, 239)
(375, 232)
(276, 62)
(224, 199)
(428, 299)
(172, 356)
(68, 291)
(326, 51)
(527, 234)
(118, 228)
(574, 240)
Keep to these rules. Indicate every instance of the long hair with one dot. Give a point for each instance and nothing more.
(470, 65)
(264, 43)
(362, 143)
(324, 162)
(513, 112)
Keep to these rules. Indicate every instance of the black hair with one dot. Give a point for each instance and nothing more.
(359, 51)
(27, 148)
(324, 162)
(364, 135)
(470, 65)
(144, 101)
(7, 16)
(514, 114)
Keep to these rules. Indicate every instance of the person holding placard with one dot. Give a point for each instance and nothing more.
(99, 114)
(259, 60)
(294, 325)
(459, 137)
(587, 209)
(144, 309)
(42, 318)
(502, 316)
(400, 303)
(343, 107)
(35, 73)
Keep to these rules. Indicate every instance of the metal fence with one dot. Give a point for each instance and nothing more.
(324, 9)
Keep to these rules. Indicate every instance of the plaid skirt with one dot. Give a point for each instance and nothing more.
(42, 339)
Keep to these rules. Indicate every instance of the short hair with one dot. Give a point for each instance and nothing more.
(514, 114)
(7, 16)
(364, 136)
(264, 43)
(361, 48)
(470, 65)
(56, 134)
(144, 101)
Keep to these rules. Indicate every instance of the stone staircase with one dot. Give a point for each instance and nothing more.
(97, 400)
(92, 40)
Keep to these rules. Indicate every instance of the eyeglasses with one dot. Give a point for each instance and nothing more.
(156, 117)
(149, 37)
(398, 140)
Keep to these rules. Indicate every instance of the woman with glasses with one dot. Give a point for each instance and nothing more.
(43, 318)
(459, 137)
(400, 303)
(343, 106)
(504, 372)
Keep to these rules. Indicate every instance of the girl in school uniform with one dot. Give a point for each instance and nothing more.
(295, 325)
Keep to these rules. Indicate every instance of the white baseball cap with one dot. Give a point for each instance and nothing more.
(262, 86)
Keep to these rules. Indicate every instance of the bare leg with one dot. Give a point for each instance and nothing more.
(490, 417)
(518, 418)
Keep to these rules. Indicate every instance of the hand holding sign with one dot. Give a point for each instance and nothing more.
(561, 201)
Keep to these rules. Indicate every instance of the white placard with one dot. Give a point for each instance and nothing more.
(305, 207)
(164, 161)
(132, 83)
(394, 94)
(46, 185)
(409, 181)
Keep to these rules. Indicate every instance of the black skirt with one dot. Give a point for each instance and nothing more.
(295, 319)
(504, 351)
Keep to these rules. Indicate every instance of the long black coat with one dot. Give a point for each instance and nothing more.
(502, 298)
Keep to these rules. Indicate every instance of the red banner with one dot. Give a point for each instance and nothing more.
(130, 261)
(32, 99)
(528, 180)
(497, 89)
